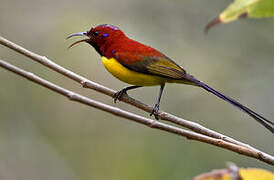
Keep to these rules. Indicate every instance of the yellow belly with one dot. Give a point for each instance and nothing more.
(129, 76)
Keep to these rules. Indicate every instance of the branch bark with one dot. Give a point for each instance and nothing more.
(203, 134)
(107, 91)
(130, 116)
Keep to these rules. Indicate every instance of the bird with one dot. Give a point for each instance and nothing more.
(141, 65)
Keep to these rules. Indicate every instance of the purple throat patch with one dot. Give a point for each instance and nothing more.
(105, 35)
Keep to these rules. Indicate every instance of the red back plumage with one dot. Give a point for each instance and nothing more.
(111, 41)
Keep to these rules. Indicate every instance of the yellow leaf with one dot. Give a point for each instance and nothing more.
(255, 174)
(243, 9)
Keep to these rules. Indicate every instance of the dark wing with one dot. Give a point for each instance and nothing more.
(154, 65)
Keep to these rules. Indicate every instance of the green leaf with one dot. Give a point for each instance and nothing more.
(243, 9)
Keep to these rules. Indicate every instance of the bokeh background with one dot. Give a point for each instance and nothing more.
(45, 136)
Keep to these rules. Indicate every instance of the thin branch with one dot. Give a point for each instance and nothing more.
(107, 91)
(133, 117)
(163, 115)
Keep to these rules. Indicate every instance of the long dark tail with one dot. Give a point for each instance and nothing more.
(260, 119)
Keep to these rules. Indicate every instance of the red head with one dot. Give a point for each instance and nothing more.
(100, 36)
(110, 41)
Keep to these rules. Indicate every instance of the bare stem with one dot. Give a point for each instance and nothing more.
(133, 117)
(110, 92)
(203, 134)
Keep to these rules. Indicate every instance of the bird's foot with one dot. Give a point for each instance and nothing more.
(119, 94)
(155, 111)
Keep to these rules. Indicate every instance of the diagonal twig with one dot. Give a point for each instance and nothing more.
(163, 115)
(133, 117)
(107, 91)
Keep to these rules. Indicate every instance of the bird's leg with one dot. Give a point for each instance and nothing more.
(120, 93)
(156, 107)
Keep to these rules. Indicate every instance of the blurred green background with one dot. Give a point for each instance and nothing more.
(45, 136)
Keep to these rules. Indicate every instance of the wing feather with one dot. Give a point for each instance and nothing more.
(154, 65)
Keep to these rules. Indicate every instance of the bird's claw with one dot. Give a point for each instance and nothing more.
(155, 112)
(118, 95)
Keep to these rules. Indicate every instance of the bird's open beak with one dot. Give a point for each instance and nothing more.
(78, 34)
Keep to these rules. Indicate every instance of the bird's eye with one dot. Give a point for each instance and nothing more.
(96, 33)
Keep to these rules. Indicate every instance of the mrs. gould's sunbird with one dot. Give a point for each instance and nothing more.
(141, 65)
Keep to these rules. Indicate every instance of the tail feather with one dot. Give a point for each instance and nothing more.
(260, 119)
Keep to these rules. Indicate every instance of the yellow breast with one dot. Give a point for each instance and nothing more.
(129, 76)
